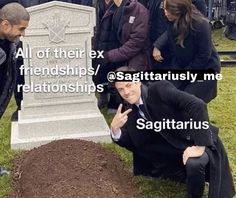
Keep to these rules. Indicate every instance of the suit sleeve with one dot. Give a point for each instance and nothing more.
(137, 40)
(193, 106)
(125, 140)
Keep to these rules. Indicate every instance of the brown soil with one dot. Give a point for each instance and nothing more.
(71, 169)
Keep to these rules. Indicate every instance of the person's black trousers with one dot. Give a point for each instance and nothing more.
(171, 167)
(196, 174)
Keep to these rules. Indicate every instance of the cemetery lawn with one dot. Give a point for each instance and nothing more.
(222, 112)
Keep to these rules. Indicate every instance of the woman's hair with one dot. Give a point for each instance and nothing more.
(186, 14)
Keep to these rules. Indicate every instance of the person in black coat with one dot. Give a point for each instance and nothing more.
(158, 25)
(158, 21)
(128, 21)
(5, 48)
(14, 20)
(155, 126)
(188, 36)
(7, 72)
(105, 39)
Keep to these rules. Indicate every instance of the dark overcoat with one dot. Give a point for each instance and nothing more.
(164, 101)
(105, 39)
(7, 75)
(198, 53)
(133, 37)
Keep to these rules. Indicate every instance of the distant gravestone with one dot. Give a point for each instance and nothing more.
(56, 103)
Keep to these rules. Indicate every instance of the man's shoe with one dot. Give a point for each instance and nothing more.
(4, 172)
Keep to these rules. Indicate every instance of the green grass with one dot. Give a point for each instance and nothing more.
(222, 113)
(221, 42)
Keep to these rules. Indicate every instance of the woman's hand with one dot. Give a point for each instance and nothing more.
(157, 55)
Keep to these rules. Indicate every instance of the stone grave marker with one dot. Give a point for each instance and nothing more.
(57, 54)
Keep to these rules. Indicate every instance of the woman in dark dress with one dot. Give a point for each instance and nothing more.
(188, 36)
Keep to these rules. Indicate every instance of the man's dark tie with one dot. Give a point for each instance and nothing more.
(143, 110)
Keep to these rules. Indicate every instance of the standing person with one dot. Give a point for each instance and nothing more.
(105, 39)
(130, 22)
(188, 36)
(153, 127)
(14, 21)
(123, 35)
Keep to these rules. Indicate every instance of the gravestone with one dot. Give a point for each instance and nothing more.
(56, 38)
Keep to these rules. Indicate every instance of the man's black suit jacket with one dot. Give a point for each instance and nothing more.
(163, 101)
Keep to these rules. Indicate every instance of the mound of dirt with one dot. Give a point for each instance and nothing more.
(71, 169)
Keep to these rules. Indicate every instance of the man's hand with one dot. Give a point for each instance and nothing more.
(193, 151)
(119, 119)
(157, 55)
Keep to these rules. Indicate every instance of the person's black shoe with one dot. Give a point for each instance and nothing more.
(4, 172)
(14, 116)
